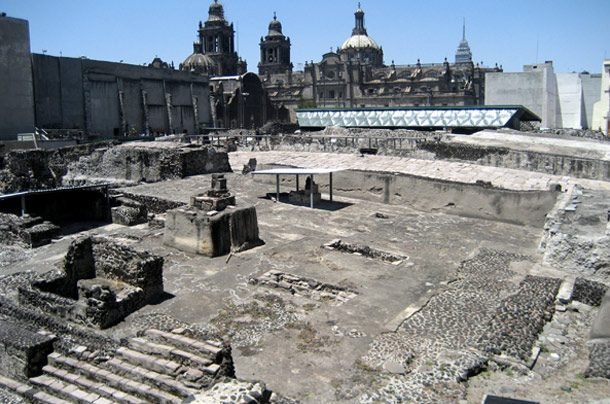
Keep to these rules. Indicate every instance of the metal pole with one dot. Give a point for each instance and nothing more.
(22, 205)
(330, 187)
(277, 187)
(311, 191)
(297, 182)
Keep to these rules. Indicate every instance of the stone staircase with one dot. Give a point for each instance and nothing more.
(160, 367)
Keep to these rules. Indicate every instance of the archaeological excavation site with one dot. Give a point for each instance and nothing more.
(330, 266)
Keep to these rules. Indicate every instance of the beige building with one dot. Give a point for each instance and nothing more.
(601, 110)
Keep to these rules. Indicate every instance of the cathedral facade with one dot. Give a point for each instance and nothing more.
(352, 76)
(355, 76)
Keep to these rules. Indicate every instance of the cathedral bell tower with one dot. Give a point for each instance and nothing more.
(275, 51)
(217, 39)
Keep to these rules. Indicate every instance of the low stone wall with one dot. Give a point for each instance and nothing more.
(555, 164)
(22, 353)
(153, 204)
(471, 200)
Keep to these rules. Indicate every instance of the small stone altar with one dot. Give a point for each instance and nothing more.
(212, 224)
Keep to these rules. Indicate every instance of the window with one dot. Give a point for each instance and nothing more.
(331, 94)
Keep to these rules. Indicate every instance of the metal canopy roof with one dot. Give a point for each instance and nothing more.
(484, 116)
(53, 190)
(297, 171)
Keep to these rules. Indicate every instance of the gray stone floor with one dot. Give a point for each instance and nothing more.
(413, 330)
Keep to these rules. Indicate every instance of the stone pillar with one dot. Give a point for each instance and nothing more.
(168, 105)
(195, 102)
(145, 110)
(122, 113)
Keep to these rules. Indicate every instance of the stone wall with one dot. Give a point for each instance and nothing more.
(555, 164)
(17, 97)
(23, 170)
(576, 238)
(431, 195)
(135, 162)
(113, 99)
(599, 343)
(22, 353)
(153, 204)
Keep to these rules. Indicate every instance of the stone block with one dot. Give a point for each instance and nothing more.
(195, 232)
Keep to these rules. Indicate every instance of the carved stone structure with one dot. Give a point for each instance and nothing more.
(101, 283)
(211, 225)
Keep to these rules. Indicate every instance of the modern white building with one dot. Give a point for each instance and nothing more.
(563, 100)
(601, 110)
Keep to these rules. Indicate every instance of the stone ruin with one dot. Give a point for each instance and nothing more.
(101, 283)
(135, 162)
(22, 353)
(31, 231)
(212, 225)
(304, 196)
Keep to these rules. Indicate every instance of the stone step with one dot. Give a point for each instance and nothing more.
(164, 382)
(27, 391)
(67, 391)
(208, 348)
(170, 352)
(151, 362)
(126, 385)
(95, 386)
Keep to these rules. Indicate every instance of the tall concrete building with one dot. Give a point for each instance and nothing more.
(17, 93)
(463, 54)
(109, 99)
(91, 97)
(355, 75)
(561, 100)
(601, 113)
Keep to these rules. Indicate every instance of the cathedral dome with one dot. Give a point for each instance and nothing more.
(216, 12)
(359, 42)
(360, 38)
(275, 27)
(198, 62)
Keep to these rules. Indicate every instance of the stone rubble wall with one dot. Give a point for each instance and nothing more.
(22, 352)
(599, 343)
(128, 212)
(23, 170)
(131, 163)
(571, 244)
(102, 282)
(589, 292)
(31, 231)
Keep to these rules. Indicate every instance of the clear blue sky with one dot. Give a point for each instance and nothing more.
(574, 34)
